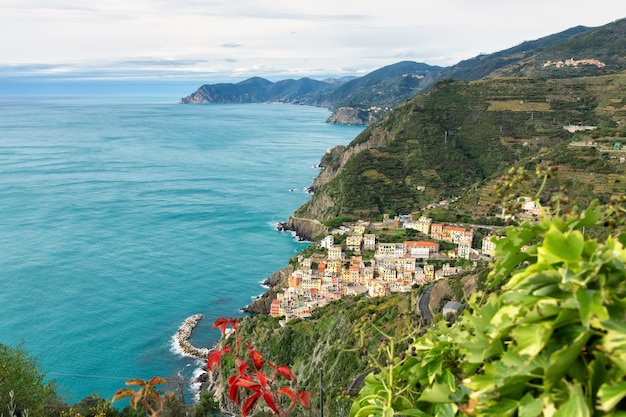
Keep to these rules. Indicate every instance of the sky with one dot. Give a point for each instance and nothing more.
(230, 40)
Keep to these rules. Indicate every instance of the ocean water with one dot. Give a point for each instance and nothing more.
(122, 216)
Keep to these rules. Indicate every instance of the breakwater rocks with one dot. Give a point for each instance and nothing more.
(305, 229)
(182, 336)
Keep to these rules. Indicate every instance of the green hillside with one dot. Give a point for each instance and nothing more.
(460, 134)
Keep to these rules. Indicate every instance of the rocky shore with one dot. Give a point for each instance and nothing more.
(305, 229)
(275, 283)
(182, 336)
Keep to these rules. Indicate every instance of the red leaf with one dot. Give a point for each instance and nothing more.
(157, 380)
(249, 404)
(234, 323)
(214, 360)
(221, 324)
(269, 399)
(286, 373)
(247, 383)
(257, 359)
(242, 367)
(233, 393)
(288, 392)
(123, 393)
(305, 398)
(262, 378)
(135, 381)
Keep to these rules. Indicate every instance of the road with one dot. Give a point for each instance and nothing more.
(423, 304)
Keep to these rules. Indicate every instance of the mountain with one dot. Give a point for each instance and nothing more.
(452, 141)
(260, 90)
(359, 100)
(385, 87)
(486, 65)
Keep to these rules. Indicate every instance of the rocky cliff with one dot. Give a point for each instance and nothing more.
(354, 116)
(276, 282)
(321, 205)
(305, 229)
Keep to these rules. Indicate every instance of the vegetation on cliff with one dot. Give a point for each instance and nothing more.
(451, 141)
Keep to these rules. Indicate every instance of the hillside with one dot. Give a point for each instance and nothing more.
(457, 136)
(485, 65)
(597, 51)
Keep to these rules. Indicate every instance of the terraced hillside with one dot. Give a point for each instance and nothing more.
(451, 141)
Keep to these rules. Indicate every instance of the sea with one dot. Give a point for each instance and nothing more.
(122, 215)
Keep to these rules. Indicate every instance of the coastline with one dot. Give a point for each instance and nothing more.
(182, 345)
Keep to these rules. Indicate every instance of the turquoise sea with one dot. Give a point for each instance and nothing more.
(122, 216)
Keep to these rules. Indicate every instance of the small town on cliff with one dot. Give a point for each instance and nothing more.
(360, 263)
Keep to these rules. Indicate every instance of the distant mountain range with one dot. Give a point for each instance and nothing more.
(363, 100)
(369, 96)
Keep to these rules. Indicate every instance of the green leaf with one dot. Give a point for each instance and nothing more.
(558, 246)
(529, 406)
(503, 407)
(365, 411)
(575, 406)
(387, 412)
(562, 359)
(588, 217)
(414, 412)
(590, 305)
(609, 395)
(531, 338)
(437, 393)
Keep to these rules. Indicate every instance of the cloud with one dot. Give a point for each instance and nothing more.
(187, 38)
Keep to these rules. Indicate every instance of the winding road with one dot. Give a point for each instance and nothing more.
(423, 304)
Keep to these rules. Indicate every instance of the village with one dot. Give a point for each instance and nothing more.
(363, 264)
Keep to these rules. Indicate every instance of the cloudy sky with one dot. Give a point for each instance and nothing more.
(229, 40)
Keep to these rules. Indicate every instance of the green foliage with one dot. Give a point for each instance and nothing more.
(338, 221)
(94, 406)
(460, 135)
(334, 342)
(22, 375)
(551, 341)
(207, 405)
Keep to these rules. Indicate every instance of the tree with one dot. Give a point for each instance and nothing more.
(207, 406)
(22, 375)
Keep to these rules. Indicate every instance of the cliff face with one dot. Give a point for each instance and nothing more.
(322, 204)
(304, 228)
(277, 281)
(353, 116)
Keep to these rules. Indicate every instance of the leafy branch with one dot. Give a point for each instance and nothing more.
(256, 377)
